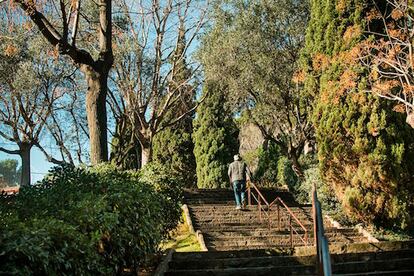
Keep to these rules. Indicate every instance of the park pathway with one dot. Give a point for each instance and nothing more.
(239, 242)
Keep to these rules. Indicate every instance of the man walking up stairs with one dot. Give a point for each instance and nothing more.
(238, 174)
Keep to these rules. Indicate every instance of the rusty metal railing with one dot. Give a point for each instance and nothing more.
(280, 204)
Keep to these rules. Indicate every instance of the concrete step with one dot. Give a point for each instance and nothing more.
(271, 242)
(227, 248)
(242, 226)
(276, 237)
(363, 266)
(227, 197)
(262, 244)
(239, 225)
(208, 212)
(229, 221)
(249, 271)
(406, 272)
(223, 206)
(249, 216)
(267, 232)
(261, 261)
(371, 256)
(230, 254)
(267, 243)
(266, 192)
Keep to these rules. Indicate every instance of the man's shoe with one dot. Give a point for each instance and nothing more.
(238, 207)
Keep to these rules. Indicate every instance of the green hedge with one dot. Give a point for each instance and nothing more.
(87, 221)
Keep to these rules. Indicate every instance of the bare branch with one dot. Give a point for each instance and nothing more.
(9, 151)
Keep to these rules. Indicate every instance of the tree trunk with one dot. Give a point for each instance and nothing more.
(296, 166)
(96, 113)
(25, 149)
(146, 155)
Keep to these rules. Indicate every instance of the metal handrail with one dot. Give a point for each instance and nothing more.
(258, 192)
(258, 199)
(279, 202)
(321, 242)
(292, 215)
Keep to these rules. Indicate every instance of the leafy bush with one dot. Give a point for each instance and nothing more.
(85, 221)
(326, 196)
(45, 247)
(285, 174)
(169, 187)
(266, 173)
(274, 169)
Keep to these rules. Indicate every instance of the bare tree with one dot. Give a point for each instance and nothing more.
(152, 73)
(23, 116)
(59, 23)
(389, 56)
(34, 90)
(66, 128)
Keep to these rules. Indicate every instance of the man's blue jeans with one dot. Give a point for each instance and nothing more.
(239, 188)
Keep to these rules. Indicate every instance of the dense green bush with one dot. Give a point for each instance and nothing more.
(285, 174)
(85, 221)
(266, 172)
(304, 188)
(274, 169)
(169, 187)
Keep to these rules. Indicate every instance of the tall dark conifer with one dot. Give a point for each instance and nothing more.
(216, 140)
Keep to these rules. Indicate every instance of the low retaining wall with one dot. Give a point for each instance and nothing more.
(360, 229)
(198, 233)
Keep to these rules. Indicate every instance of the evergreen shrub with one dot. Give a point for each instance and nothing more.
(84, 221)
(285, 174)
(267, 168)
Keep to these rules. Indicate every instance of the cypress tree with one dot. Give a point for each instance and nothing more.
(173, 147)
(365, 149)
(215, 141)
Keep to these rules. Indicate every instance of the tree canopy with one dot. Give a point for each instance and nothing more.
(252, 49)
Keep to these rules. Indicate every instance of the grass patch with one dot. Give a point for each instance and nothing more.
(391, 235)
(181, 239)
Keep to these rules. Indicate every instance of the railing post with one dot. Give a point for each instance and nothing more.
(291, 231)
(315, 224)
(249, 201)
(260, 210)
(278, 216)
(268, 216)
(306, 238)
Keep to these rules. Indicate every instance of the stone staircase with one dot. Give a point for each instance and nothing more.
(224, 228)
(239, 243)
